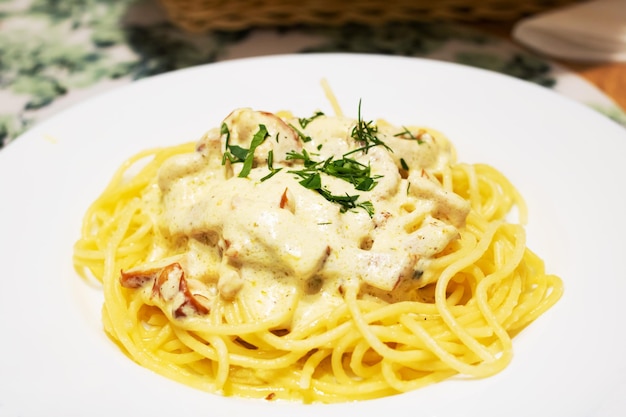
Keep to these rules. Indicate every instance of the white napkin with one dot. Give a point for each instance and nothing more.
(592, 31)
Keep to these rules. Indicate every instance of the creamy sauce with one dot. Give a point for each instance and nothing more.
(275, 244)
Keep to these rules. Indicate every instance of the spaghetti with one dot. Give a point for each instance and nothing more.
(318, 259)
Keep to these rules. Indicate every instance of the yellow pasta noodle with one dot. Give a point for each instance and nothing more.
(319, 259)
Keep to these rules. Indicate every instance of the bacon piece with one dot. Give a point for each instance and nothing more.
(168, 282)
(283, 199)
(137, 279)
(190, 303)
(287, 201)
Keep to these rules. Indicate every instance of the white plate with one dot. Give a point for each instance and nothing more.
(567, 160)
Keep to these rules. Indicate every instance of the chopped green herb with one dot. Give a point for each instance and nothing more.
(368, 207)
(346, 169)
(305, 121)
(351, 171)
(365, 132)
(257, 140)
(366, 184)
(404, 164)
(311, 181)
(347, 202)
(407, 134)
(233, 153)
(304, 156)
(270, 166)
(302, 136)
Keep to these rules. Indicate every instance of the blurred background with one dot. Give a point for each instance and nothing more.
(55, 53)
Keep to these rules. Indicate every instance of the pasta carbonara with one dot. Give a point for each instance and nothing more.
(315, 259)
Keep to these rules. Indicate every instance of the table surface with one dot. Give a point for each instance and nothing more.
(608, 77)
(55, 55)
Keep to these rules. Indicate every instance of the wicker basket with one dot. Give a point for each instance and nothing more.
(205, 15)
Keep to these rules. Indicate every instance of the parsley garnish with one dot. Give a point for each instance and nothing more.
(347, 202)
(233, 153)
(406, 134)
(312, 181)
(351, 171)
(365, 132)
(347, 169)
(304, 156)
(236, 153)
(305, 121)
(270, 166)
(257, 139)
(302, 136)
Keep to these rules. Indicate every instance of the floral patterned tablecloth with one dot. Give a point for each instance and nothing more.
(54, 53)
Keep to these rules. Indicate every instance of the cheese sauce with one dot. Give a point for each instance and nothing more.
(275, 243)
